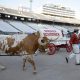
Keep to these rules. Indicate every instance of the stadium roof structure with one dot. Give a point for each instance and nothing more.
(9, 11)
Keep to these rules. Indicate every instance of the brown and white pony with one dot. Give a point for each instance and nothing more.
(28, 46)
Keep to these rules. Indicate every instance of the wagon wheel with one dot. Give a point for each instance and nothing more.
(68, 48)
(52, 49)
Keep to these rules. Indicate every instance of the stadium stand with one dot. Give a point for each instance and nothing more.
(16, 21)
(39, 16)
(4, 27)
(22, 27)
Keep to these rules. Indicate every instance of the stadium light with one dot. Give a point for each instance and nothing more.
(22, 8)
(31, 5)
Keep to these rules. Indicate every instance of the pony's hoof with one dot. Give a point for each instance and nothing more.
(2, 67)
(35, 72)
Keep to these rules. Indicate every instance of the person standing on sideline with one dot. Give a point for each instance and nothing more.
(75, 45)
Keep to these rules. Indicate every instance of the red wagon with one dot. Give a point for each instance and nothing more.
(56, 45)
(57, 40)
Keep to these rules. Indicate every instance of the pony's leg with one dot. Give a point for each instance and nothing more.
(24, 59)
(31, 61)
(24, 62)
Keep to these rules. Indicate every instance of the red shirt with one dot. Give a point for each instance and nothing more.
(79, 37)
(74, 39)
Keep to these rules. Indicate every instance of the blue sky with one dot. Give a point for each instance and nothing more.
(37, 4)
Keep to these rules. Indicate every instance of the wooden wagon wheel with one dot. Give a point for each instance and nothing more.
(52, 49)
